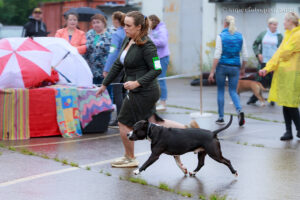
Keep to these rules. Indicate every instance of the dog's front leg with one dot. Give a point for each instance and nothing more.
(150, 161)
(201, 157)
(180, 165)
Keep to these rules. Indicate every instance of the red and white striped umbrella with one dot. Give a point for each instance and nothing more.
(23, 63)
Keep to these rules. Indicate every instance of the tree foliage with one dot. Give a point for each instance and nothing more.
(16, 12)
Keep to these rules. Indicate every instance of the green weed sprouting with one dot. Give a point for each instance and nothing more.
(138, 180)
(64, 162)
(74, 164)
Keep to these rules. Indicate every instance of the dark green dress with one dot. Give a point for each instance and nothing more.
(142, 64)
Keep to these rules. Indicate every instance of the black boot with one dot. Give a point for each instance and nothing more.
(287, 136)
(288, 124)
(296, 119)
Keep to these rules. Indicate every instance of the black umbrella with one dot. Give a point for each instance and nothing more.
(84, 13)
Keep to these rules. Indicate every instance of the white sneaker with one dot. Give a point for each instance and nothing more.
(161, 107)
(125, 162)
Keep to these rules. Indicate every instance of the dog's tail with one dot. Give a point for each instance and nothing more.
(223, 128)
(262, 87)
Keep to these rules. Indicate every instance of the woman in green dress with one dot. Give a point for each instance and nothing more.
(138, 58)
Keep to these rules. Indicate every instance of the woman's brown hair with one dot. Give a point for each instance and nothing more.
(99, 17)
(155, 21)
(67, 17)
(71, 13)
(140, 19)
(118, 15)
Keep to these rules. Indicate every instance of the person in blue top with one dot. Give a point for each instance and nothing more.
(116, 44)
(229, 45)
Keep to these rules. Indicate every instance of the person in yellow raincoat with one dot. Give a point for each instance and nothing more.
(285, 87)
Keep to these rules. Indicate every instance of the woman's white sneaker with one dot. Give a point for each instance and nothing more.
(125, 162)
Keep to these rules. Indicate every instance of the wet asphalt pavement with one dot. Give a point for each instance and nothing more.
(267, 167)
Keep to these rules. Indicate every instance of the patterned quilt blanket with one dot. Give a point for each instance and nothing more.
(77, 106)
(90, 105)
(14, 114)
(67, 112)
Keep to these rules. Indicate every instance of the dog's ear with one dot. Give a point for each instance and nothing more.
(145, 122)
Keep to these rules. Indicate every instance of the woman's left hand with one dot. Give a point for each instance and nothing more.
(211, 77)
(131, 85)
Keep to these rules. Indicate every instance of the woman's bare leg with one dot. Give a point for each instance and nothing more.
(128, 145)
(167, 123)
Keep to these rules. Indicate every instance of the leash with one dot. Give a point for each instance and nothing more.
(166, 78)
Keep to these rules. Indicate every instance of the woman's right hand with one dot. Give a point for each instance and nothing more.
(105, 74)
(101, 90)
(262, 72)
(211, 77)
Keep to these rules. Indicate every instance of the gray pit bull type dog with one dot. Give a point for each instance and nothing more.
(175, 142)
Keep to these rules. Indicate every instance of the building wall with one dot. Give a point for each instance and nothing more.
(184, 23)
(149, 7)
(191, 35)
(172, 20)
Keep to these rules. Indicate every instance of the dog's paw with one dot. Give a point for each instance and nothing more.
(192, 174)
(262, 105)
(136, 172)
(185, 171)
(236, 174)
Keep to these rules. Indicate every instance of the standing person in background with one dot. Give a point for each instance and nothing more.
(98, 43)
(115, 47)
(159, 36)
(227, 63)
(285, 87)
(264, 47)
(72, 34)
(35, 27)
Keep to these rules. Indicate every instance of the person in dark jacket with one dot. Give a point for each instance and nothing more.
(264, 47)
(138, 57)
(35, 27)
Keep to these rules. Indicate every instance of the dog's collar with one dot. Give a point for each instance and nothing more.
(148, 130)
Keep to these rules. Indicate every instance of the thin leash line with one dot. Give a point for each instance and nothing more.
(167, 78)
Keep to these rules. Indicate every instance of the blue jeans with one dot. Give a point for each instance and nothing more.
(233, 74)
(162, 83)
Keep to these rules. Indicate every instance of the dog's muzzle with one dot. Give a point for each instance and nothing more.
(129, 134)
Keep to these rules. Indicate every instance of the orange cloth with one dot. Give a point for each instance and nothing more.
(78, 39)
